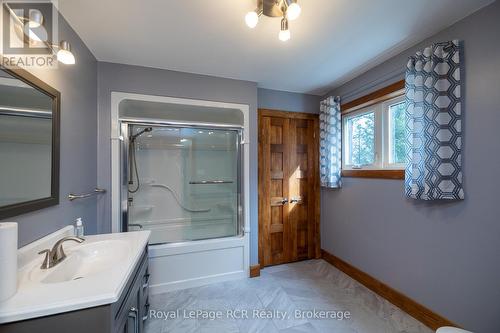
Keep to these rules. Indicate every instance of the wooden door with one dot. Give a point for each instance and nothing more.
(288, 187)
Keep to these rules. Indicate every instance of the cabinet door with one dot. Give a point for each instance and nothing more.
(132, 322)
(132, 312)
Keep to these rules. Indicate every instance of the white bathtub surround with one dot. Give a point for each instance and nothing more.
(8, 259)
(94, 273)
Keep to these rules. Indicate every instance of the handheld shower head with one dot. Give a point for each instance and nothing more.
(134, 136)
(132, 161)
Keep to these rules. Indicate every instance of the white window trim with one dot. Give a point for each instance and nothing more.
(386, 132)
(382, 142)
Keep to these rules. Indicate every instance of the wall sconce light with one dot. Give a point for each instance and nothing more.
(32, 27)
(64, 54)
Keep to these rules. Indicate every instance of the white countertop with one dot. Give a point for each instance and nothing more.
(37, 299)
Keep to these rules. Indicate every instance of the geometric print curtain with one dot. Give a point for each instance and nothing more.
(330, 143)
(434, 124)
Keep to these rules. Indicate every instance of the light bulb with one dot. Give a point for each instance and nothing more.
(66, 57)
(293, 11)
(251, 19)
(64, 54)
(284, 35)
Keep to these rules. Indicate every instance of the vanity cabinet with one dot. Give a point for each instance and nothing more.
(127, 315)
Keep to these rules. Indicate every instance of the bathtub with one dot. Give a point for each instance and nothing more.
(190, 264)
(184, 264)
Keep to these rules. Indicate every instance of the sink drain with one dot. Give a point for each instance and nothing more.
(78, 278)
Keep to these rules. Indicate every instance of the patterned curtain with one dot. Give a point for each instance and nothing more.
(434, 124)
(330, 143)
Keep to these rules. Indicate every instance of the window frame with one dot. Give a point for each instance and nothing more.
(376, 165)
(379, 102)
(387, 134)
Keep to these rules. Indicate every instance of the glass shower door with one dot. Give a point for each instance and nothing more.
(183, 182)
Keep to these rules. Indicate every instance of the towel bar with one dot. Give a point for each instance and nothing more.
(96, 191)
(201, 182)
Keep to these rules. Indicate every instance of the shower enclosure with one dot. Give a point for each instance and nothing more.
(181, 170)
(182, 182)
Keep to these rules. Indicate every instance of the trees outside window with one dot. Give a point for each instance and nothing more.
(374, 137)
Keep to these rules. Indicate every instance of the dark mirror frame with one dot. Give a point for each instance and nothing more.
(29, 206)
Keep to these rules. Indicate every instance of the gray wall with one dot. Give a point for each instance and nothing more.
(443, 255)
(151, 81)
(78, 165)
(287, 101)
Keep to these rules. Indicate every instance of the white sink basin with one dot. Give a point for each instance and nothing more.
(94, 273)
(83, 260)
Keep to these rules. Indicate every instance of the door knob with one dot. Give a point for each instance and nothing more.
(284, 201)
(295, 200)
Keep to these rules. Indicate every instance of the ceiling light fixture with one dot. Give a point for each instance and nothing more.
(288, 10)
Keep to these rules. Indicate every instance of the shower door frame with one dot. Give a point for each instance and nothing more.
(126, 122)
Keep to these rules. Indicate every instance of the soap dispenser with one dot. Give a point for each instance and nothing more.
(79, 227)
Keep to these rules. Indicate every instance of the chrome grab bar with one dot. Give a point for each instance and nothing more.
(201, 182)
(176, 197)
(96, 191)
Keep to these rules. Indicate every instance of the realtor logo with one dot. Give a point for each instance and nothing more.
(29, 33)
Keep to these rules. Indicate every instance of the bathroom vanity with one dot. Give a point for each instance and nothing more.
(102, 286)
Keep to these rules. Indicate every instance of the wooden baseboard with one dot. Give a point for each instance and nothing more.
(414, 309)
(254, 271)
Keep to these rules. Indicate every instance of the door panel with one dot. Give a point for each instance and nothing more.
(276, 191)
(300, 180)
(288, 195)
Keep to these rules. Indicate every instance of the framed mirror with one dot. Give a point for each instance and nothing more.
(29, 143)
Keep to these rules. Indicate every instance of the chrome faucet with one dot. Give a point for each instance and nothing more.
(56, 255)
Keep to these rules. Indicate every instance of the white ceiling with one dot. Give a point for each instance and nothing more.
(332, 41)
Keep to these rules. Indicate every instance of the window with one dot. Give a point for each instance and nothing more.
(373, 138)
(396, 128)
(360, 134)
